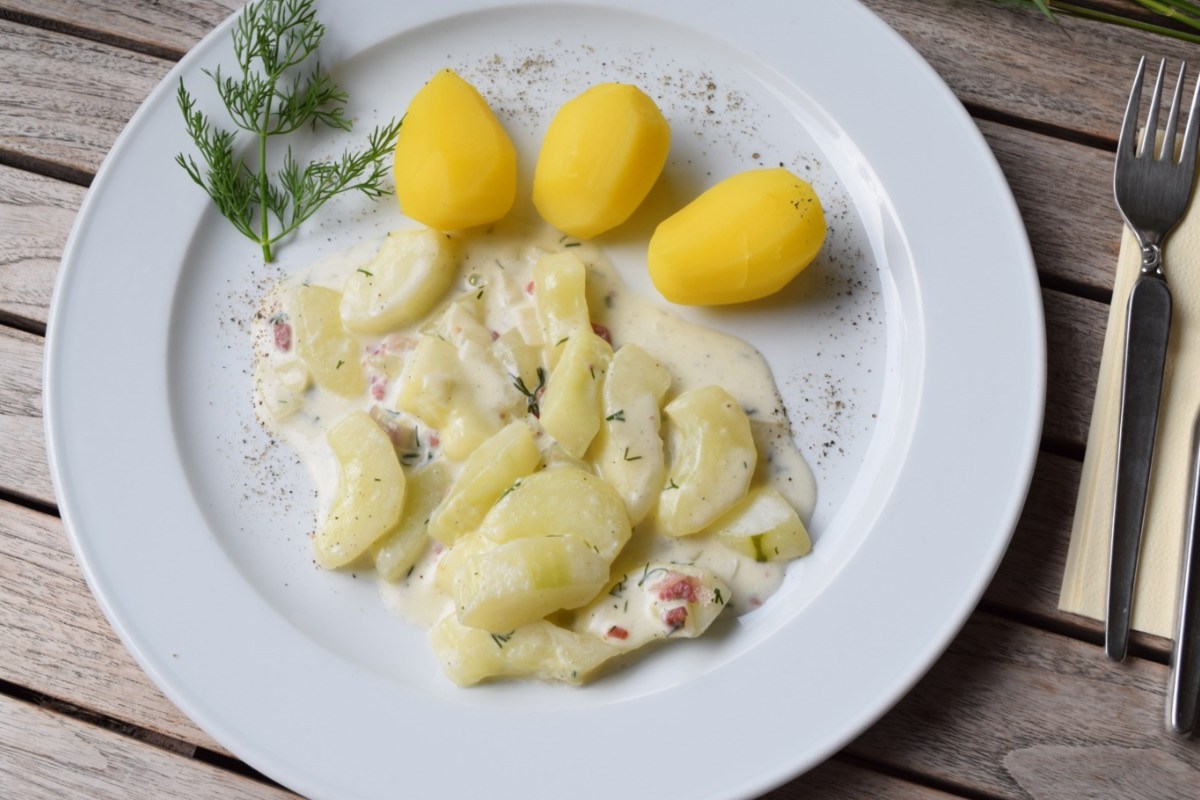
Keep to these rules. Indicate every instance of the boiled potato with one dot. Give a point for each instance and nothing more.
(570, 407)
(537, 650)
(559, 282)
(409, 274)
(657, 600)
(602, 153)
(763, 526)
(492, 469)
(712, 460)
(560, 500)
(399, 548)
(331, 353)
(523, 580)
(370, 492)
(628, 450)
(454, 165)
(743, 239)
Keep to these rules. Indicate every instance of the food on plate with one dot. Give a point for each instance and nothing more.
(489, 472)
(455, 166)
(540, 460)
(657, 600)
(544, 468)
(602, 153)
(410, 273)
(537, 650)
(743, 239)
(323, 343)
(713, 459)
(370, 491)
(765, 526)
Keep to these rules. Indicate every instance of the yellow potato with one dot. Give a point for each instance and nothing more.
(743, 239)
(455, 166)
(602, 153)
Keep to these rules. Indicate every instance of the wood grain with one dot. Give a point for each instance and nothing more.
(1064, 191)
(165, 29)
(47, 756)
(1015, 63)
(23, 470)
(983, 716)
(1074, 339)
(36, 214)
(56, 641)
(69, 98)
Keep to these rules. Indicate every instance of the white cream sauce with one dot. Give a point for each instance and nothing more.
(495, 275)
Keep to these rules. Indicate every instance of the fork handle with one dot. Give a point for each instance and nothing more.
(1184, 691)
(1147, 326)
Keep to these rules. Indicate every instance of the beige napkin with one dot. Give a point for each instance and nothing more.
(1085, 580)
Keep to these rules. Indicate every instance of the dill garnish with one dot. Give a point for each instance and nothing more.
(271, 39)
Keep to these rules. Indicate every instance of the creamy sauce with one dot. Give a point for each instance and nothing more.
(495, 279)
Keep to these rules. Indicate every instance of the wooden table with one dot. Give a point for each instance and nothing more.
(1024, 703)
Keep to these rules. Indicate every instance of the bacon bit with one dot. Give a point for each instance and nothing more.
(617, 632)
(675, 618)
(283, 336)
(603, 332)
(378, 386)
(677, 586)
(434, 440)
(529, 288)
(495, 335)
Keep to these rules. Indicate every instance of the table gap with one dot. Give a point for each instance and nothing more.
(919, 778)
(81, 32)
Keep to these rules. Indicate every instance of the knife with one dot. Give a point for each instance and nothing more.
(1184, 693)
(1147, 326)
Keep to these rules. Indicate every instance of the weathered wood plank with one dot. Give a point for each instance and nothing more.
(23, 470)
(47, 756)
(1012, 61)
(1064, 191)
(36, 214)
(838, 780)
(57, 642)
(68, 98)
(168, 29)
(1006, 699)
(1074, 338)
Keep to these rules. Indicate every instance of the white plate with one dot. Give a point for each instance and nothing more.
(911, 356)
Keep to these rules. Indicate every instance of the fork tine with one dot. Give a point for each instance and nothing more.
(1168, 146)
(1150, 133)
(1128, 139)
(1187, 159)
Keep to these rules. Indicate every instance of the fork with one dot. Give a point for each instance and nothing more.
(1152, 194)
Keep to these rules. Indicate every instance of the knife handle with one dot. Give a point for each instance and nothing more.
(1184, 693)
(1147, 327)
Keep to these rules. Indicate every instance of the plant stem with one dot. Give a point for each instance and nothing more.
(268, 257)
(1127, 22)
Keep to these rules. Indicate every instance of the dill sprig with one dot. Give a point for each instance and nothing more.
(274, 97)
(1186, 13)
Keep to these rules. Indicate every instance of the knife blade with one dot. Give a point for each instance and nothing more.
(1147, 328)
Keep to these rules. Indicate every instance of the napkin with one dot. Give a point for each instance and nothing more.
(1085, 580)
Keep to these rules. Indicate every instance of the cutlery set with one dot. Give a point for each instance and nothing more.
(1152, 193)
